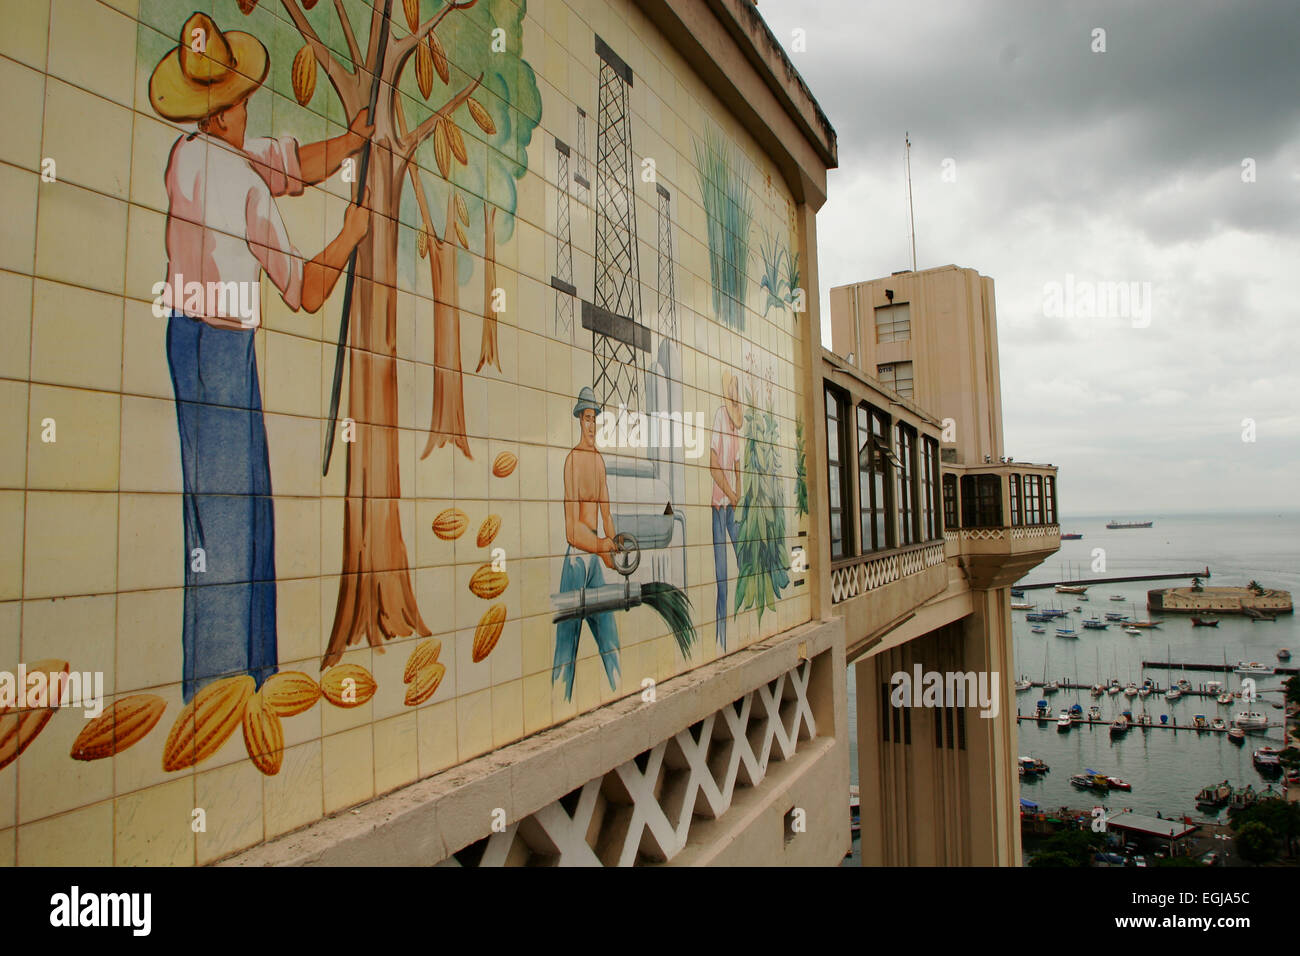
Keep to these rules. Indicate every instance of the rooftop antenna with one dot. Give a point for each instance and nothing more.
(911, 215)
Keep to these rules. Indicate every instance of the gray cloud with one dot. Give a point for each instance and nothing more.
(1115, 166)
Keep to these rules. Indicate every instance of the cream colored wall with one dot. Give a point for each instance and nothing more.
(94, 571)
(953, 347)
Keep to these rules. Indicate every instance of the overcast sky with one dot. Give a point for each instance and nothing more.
(1122, 166)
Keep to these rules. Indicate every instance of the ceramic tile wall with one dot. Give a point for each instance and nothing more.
(93, 572)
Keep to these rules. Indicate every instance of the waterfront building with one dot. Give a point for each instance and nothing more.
(913, 370)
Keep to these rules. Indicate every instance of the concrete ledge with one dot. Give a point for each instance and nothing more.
(428, 821)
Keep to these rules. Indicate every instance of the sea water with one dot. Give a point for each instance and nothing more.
(1166, 768)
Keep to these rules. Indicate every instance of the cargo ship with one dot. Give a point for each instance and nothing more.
(1072, 536)
(1129, 524)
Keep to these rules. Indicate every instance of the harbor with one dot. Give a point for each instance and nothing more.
(1166, 771)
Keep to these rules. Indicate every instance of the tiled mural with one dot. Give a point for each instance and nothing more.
(276, 563)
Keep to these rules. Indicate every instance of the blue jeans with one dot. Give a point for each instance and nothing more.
(584, 571)
(724, 523)
(229, 622)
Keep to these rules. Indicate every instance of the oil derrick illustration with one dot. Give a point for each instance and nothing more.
(580, 175)
(664, 381)
(613, 318)
(562, 280)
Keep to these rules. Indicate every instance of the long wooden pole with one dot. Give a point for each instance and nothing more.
(341, 350)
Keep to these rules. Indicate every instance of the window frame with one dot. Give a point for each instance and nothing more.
(931, 505)
(893, 322)
(1033, 499)
(878, 500)
(837, 445)
(981, 501)
(909, 517)
(951, 502)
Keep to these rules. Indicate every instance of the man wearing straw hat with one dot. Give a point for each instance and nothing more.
(223, 232)
(586, 515)
(724, 466)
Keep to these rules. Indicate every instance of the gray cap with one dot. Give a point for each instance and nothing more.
(586, 400)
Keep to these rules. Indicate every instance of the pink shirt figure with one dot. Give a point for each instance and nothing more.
(224, 230)
(726, 445)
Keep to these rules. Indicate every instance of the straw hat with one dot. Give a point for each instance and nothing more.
(187, 85)
(731, 396)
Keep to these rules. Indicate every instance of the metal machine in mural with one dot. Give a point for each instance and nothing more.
(608, 490)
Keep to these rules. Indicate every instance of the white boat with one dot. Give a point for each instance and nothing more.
(1184, 685)
(1051, 687)
(1119, 726)
(1113, 689)
(1135, 631)
(1250, 720)
(1094, 713)
(1225, 698)
(1118, 597)
(1023, 685)
(1021, 606)
(1131, 690)
(1251, 667)
(1173, 693)
(1038, 629)
(1213, 686)
(1218, 724)
(1071, 589)
(1063, 722)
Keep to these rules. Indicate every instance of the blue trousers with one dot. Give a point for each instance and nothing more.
(229, 623)
(584, 571)
(724, 523)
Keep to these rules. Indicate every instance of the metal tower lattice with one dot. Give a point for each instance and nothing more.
(617, 335)
(562, 280)
(667, 284)
(580, 174)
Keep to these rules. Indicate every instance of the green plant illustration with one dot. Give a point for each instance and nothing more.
(780, 272)
(729, 208)
(774, 256)
(792, 278)
(763, 567)
(800, 470)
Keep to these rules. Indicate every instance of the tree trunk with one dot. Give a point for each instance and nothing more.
(447, 423)
(375, 599)
(488, 349)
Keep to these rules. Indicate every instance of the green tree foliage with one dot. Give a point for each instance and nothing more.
(1068, 848)
(762, 562)
(1255, 843)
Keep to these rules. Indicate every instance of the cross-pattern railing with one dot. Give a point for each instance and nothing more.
(642, 811)
(873, 571)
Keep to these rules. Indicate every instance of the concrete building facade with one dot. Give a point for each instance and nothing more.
(938, 784)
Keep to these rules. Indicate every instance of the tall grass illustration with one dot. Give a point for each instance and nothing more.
(730, 211)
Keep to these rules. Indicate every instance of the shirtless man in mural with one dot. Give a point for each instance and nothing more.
(586, 501)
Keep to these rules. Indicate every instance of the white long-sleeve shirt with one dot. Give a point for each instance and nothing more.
(224, 230)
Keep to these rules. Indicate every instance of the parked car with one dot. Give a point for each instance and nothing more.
(1140, 861)
(1210, 859)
